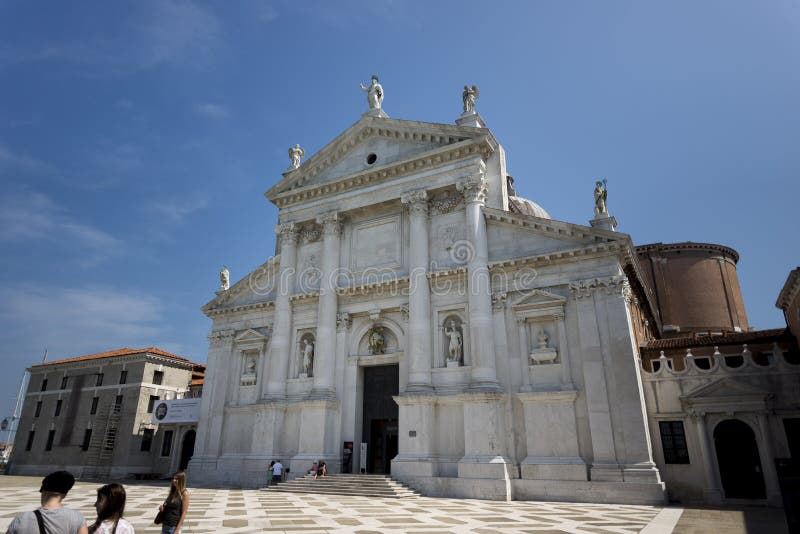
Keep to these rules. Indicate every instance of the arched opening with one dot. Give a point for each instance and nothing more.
(187, 449)
(738, 460)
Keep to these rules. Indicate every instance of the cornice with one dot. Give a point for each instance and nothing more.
(790, 290)
(361, 289)
(469, 147)
(556, 228)
(214, 312)
(688, 245)
(586, 251)
(139, 357)
(366, 127)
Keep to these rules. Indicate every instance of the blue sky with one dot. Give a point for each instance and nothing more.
(137, 138)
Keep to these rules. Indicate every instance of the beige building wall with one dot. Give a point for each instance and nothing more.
(75, 384)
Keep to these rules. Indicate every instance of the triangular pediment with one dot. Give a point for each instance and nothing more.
(391, 141)
(513, 235)
(250, 335)
(724, 389)
(256, 287)
(539, 298)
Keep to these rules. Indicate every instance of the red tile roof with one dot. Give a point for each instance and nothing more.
(774, 334)
(115, 353)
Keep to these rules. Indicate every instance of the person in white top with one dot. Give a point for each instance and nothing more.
(110, 506)
(277, 471)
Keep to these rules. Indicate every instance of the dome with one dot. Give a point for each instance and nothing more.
(524, 206)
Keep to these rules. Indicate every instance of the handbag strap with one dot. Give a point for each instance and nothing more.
(40, 521)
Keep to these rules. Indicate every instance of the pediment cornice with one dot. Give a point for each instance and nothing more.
(432, 158)
(454, 142)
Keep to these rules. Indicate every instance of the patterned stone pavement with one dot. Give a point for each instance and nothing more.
(220, 510)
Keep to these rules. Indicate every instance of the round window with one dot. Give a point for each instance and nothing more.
(372, 158)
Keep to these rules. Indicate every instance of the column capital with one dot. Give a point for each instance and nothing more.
(416, 201)
(473, 188)
(287, 232)
(499, 300)
(331, 223)
(343, 321)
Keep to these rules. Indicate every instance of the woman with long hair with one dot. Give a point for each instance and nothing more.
(176, 505)
(110, 506)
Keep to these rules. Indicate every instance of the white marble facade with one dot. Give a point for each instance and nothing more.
(513, 336)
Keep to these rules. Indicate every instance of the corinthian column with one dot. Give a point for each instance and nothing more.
(420, 355)
(325, 348)
(484, 373)
(281, 337)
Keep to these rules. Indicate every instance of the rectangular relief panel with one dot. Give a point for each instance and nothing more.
(377, 244)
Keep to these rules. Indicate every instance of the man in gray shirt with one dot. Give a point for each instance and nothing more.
(52, 517)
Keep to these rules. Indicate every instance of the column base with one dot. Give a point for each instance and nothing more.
(405, 466)
(495, 467)
(554, 468)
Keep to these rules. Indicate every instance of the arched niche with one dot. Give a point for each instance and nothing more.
(392, 332)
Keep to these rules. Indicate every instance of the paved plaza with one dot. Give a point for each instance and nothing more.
(225, 510)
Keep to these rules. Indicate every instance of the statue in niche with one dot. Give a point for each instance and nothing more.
(374, 93)
(377, 341)
(469, 96)
(542, 339)
(224, 278)
(600, 196)
(295, 154)
(308, 356)
(251, 365)
(454, 343)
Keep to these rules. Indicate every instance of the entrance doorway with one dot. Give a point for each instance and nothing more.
(739, 463)
(187, 449)
(379, 427)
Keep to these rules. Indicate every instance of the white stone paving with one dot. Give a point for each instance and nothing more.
(225, 510)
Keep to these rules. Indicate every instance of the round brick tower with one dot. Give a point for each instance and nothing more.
(695, 285)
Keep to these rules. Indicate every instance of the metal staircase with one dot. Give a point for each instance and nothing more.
(99, 455)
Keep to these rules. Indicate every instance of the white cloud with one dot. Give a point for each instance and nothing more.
(17, 161)
(152, 33)
(176, 210)
(212, 111)
(32, 216)
(75, 321)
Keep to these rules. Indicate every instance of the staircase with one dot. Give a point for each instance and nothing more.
(346, 484)
(101, 447)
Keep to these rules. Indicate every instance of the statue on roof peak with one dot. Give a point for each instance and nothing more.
(469, 96)
(374, 93)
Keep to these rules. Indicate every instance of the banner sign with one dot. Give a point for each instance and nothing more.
(176, 411)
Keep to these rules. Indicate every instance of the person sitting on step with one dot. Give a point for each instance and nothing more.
(313, 470)
(322, 470)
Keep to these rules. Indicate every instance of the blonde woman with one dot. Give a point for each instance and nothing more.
(176, 505)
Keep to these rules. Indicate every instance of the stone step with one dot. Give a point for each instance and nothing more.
(362, 485)
(335, 491)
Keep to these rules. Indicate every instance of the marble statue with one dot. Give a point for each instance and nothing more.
(600, 196)
(377, 343)
(542, 339)
(454, 345)
(469, 96)
(295, 154)
(251, 366)
(374, 93)
(308, 356)
(224, 278)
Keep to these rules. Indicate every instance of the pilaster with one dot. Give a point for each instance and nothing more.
(419, 345)
(479, 294)
(280, 345)
(325, 350)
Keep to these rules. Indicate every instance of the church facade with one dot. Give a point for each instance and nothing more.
(419, 309)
